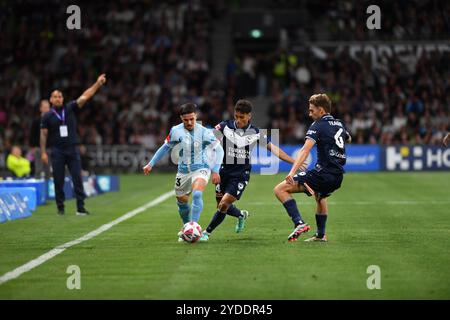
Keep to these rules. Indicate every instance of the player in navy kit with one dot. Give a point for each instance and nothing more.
(330, 135)
(238, 138)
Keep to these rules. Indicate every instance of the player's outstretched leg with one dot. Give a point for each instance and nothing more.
(216, 220)
(225, 207)
(283, 192)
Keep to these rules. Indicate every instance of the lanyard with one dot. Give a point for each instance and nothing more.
(58, 116)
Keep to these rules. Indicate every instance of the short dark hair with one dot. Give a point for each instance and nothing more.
(321, 100)
(56, 90)
(188, 108)
(243, 106)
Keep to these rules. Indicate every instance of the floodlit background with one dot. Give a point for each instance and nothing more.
(390, 85)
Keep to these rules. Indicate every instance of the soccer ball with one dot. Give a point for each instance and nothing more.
(191, 232)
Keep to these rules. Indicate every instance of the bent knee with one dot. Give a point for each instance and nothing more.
(223, 206)
(280, 188)
(277, 189)
(197, 194)
(183, 199)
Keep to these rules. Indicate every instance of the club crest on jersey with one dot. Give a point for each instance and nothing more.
(238, 140)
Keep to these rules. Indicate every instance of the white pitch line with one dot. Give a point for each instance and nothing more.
(59, 249)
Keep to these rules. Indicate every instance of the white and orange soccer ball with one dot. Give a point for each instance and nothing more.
(191, 232)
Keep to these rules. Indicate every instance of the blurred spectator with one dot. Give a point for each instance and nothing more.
(19, 166)
(387, 103)
(158, 56)
(85, 161)
(401, 20)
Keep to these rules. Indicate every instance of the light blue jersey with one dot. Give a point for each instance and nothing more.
(194, 148)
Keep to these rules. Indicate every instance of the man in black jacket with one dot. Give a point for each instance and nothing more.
(60, 126)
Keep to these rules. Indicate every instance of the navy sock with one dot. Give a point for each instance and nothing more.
(235, 212)
(216, 220)
(292, 210)
(321, 220)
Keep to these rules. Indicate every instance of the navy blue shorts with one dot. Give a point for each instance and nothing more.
(321, 182)
(232, 185)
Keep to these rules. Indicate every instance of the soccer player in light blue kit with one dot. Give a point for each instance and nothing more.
(194, 161)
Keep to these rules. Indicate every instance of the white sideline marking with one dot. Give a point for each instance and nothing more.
(59, 249)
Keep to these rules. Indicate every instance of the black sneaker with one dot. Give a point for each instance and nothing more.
(61, 212)
(82, 212)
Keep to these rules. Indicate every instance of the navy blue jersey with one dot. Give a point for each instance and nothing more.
(52, 122)
(330, 135)
(238, 145)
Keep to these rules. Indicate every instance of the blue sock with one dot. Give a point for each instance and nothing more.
(292, 210)
(184, 210)
(216, 220)
(197, 205)
(321, 220)
(235, 212)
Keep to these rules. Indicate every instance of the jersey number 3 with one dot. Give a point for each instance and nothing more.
(339, 140)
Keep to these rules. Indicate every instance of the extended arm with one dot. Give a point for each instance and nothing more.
(279, 153)
(159, 154)
(301, 157)
(89, 93)
(219, 158)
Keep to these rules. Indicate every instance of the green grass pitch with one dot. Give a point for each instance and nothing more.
(397, 221)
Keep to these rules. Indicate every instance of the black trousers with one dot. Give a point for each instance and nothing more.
(70, 157)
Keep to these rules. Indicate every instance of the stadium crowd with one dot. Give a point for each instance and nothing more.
(158, 55)
(392, 102)
(345, 20)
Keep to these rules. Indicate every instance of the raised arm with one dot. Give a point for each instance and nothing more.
(279, 153)
(89, 93)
